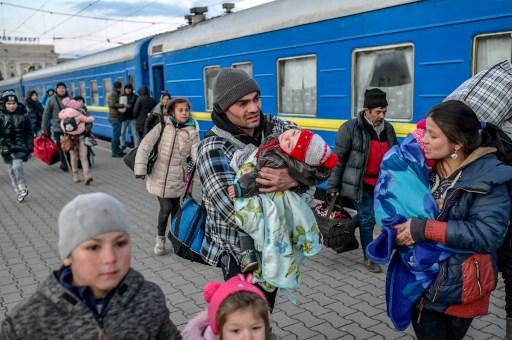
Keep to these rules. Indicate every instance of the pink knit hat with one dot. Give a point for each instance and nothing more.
(216, 292)
(313, 150)
(71, 103)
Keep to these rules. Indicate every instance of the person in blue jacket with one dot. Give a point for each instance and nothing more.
(472, 185)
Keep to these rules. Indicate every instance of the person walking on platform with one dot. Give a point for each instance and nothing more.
(143, 106)
(16, 141)
(238, 121)
(360, 145)
(178, 141)
(127, 117)
(51, 112)
(95, 294)
(114, 117)
(159, 111)
(471, 183)
(35, 110)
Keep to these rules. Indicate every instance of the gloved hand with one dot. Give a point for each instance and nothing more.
(140, 176)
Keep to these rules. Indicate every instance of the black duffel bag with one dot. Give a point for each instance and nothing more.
(336, 226)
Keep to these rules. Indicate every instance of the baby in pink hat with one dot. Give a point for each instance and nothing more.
(72, 118)
(237, 309)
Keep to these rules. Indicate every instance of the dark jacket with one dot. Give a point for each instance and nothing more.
(137, 310)
(352, 147)
(113, 105)
(271, 156)
(35, 112)
(143, 105)
(128, 114)
(16, 136)
(51, 111)
(474, 218)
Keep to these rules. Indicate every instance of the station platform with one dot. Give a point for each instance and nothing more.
(339, 299)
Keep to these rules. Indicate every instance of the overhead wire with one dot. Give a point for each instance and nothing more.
(30, 17)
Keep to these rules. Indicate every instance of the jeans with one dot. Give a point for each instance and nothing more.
(366, 218)
(130, 124)
(116, 134)
(168, 207)
(438, 326)
(57, 135)
(16, 174)
(231, 267)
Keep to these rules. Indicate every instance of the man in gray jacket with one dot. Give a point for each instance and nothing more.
(114, 117)
(360, 145)
(51, 112)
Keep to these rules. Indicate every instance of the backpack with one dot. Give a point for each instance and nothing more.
(70, 124)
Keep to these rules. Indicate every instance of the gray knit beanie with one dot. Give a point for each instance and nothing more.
(88, 216)
(232, 84)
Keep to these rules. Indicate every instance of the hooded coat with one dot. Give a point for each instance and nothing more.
(16, 136)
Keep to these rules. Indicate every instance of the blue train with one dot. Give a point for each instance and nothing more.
(312, 59)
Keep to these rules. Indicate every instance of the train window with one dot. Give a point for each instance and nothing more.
(131, 80)
(72, 89)
(94, 92)
(490, 49)
(390, 68)
(107, 89)
(81, 86)
(210, 74)
(297, 85)
(247, 67)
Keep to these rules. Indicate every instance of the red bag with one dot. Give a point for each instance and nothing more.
(45, 149)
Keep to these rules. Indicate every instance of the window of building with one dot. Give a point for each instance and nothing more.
(389, 68)
(490, 49)
(94, 92)
(210, 74)
(107, 89)
(71, 89)
(247, 67)
(81, 86)
(297, 85)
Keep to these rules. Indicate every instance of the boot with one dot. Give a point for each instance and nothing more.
(508, 334)
(159, 249)
(372, 266)
(87, 178)
(76, 178)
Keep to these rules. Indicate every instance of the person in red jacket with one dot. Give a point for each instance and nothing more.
(360, 146)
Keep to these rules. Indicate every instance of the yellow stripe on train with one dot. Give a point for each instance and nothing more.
(332, 125)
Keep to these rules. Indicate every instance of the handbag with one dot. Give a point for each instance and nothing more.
(129, 159)
(186, 231)
(67, 143)
(336, 226)
(45, 149)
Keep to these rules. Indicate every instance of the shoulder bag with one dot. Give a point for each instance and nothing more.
(129, 159)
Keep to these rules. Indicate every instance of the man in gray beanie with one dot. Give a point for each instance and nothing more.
(95, 294)
(238, 122)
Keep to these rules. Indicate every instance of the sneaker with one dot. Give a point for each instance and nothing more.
(21, 195)
(249, 261)
(159, 248)
(372, 266)
(118, 155)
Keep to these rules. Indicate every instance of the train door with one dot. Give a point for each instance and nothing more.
(158, 80)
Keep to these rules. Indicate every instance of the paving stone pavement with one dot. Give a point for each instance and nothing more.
(339, 299)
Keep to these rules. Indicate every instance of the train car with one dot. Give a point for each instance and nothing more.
(314, 59)
(92, 77)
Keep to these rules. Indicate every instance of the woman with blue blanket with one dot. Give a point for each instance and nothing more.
(472, 186)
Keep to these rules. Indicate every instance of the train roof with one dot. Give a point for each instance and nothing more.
(11, 81)
(113, 55)
(264, 18)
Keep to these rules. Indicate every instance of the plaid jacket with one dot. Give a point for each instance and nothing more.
(488, 93)
(221, 231)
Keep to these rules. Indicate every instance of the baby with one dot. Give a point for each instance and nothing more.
(309, 161)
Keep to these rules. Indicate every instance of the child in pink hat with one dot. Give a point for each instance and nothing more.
(236, 309)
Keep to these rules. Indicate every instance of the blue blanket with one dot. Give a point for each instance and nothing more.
(402, 192)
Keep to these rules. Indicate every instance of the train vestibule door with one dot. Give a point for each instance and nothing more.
(158, 81)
